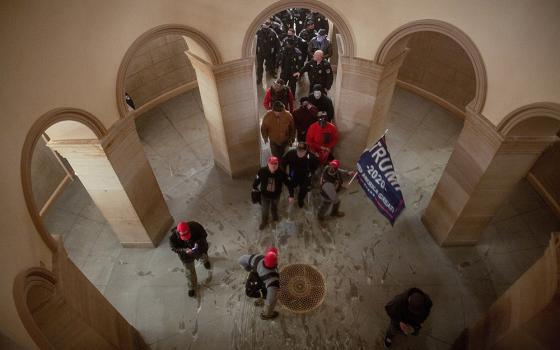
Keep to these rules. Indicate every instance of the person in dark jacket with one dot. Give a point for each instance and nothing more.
(306, 35)
(407, 312)
(269, 182)
(322, 102)
(319, 71)
(331, 183)
(267, 269)
(279, 92)
(188, 240)
(299, 43)
(300, 15)
(300, 166)
(268, 45)
(304, 117)
(320, 42)
(289, 60)
(319, 20)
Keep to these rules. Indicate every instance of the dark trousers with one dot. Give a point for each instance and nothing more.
(278, 150)
(303, 189)
(268, 61)
(267, 205)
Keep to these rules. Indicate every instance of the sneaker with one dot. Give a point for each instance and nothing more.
(192, 293)
(388, 342)
(269, 317)
(338, 214)
(207, 265)
(259, 302)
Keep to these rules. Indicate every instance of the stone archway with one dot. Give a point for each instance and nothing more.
(198, 37)
(485, 165)
(349, 48)
(391, 43)
(33, 136)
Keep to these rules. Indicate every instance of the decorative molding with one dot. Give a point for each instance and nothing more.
(434, 98)
(35, 132)
(314, 5)
(361, 67)
(166, 96)
(452, 32)
(539, 109)
(24, 282)
(232, 69)
(153, 33)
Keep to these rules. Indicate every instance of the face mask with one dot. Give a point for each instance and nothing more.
(320, 38)
(322, 122)
(317, 94)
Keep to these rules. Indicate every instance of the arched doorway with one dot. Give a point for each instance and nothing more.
(397, 42)
(485, 166)
(156, 52)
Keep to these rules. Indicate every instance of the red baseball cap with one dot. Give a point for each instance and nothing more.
(184, 231)
(334, 163)
(270, 260)
(273, 160)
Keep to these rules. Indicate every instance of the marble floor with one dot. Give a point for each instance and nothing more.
(364, 260)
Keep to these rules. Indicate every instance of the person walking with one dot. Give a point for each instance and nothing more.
(268, 45)
(278, 128)
(188, 240)
(320, 42)
(304, 117)
(322, 102)
(319, 71)
(331, 183)
(407, 311)
(300, 166)
(269, 181)
(266, 267)
(278, 92)
(321, 138)
(289, 61)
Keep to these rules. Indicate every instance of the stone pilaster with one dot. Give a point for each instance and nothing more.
(482, 171)
(363, 97)
(237, 90)
(119, 179)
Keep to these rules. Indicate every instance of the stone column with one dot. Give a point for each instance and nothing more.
(527, 315)
(229, 99)
(483, 169)
(237, 89)
(363, 97)
(119, 179)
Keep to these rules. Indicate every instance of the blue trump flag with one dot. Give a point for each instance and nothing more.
(378, 178)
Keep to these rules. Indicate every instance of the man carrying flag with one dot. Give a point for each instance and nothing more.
(331, 182)
(378, 178)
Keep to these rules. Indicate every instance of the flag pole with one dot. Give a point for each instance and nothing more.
(352, 179)
(367, 149)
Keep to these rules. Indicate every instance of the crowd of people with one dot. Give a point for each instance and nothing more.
(302, 140)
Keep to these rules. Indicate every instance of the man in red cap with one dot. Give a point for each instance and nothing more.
(331, 183)
(266, 267)
(188, 240)
(269, 182)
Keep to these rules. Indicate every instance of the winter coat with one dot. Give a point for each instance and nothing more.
(278, 129)
(197, 242)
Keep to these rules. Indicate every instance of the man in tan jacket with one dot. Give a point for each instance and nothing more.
(278, 127)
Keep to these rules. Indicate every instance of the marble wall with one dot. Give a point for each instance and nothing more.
(158, 67)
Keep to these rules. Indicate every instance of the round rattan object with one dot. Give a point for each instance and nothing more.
(302, 288)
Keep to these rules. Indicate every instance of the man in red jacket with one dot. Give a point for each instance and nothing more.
(321, 138)
(279, 92)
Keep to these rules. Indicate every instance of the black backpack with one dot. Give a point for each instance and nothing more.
(255, 286)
